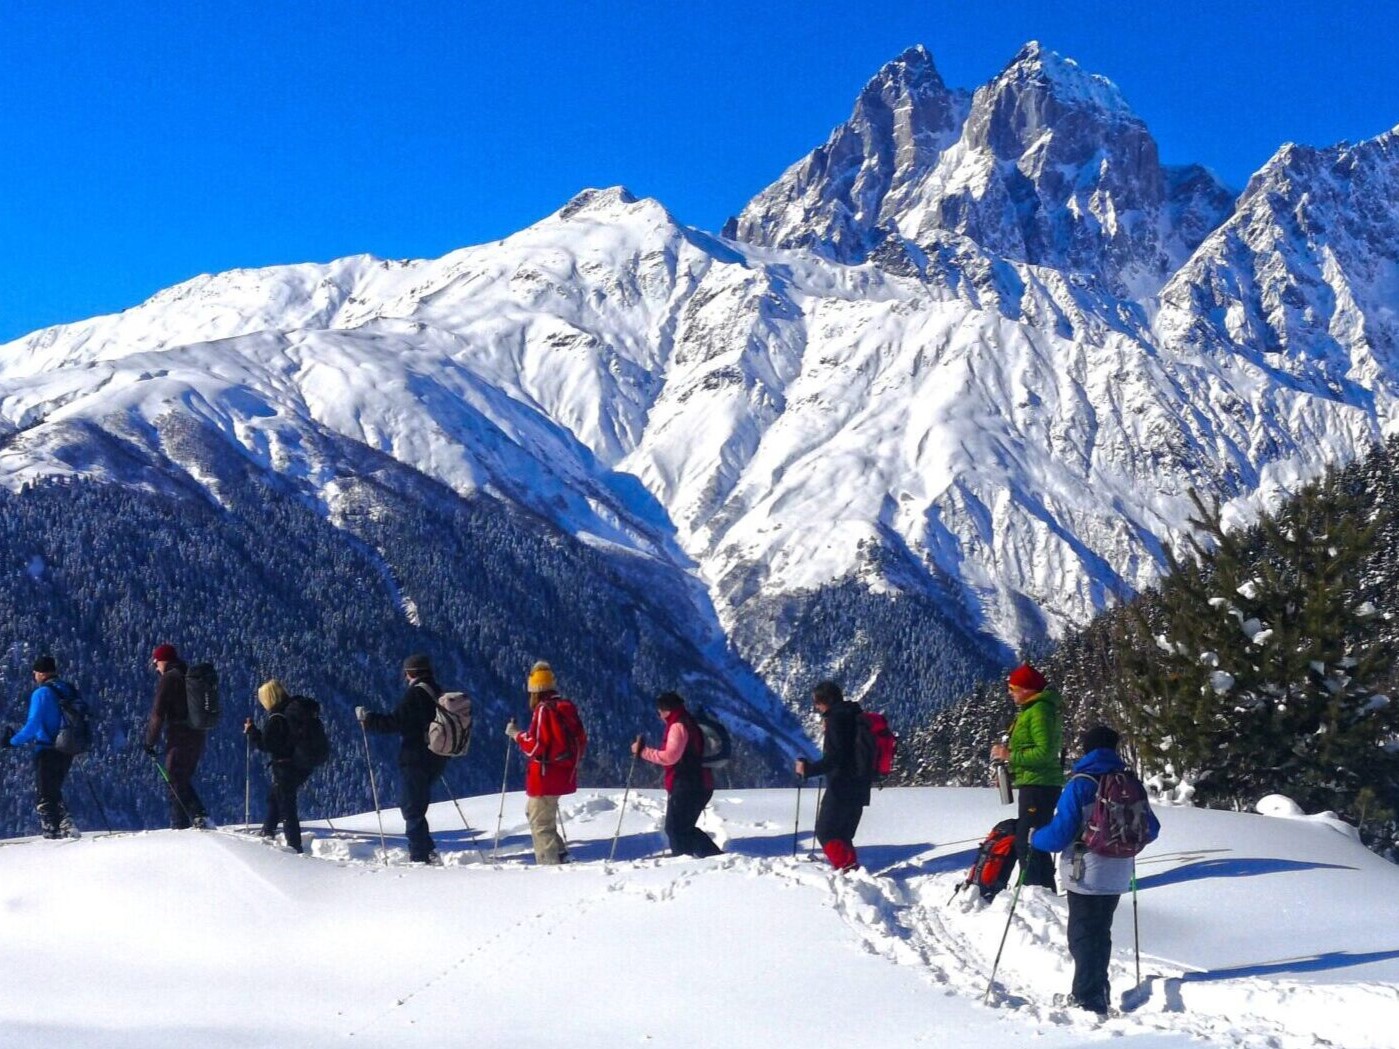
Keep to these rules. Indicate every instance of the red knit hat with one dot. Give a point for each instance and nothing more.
(164, 654)
(1026, 676)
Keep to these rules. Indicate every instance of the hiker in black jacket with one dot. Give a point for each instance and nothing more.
(277, 740)
(847, 790)
(418, 767)
(184, 744)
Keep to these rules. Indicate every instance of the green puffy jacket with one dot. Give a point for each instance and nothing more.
(1036, 741)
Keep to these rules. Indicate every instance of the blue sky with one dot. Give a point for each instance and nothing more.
(147, 143)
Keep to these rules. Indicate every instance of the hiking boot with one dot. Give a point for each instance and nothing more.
(202, 823)
(432, 859)
(68, 828)
(53, 833)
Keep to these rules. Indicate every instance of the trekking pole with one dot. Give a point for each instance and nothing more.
(623, 810)
(171, 787)
(93, 791)
(500, 816)
(374, 790)
(996, 964)
(797, 819)
(1136, 929)
(465, 826)
(247, 780)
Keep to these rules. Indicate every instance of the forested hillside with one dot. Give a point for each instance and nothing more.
(1263, 663)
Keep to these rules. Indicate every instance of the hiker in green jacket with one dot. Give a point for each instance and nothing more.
(1033, 752)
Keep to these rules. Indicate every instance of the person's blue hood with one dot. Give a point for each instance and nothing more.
(1096, 762)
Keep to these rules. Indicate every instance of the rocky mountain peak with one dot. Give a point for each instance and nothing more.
(1046, 164)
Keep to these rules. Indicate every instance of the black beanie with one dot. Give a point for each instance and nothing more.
(1097, 737)
(45, 665)
(418, 663)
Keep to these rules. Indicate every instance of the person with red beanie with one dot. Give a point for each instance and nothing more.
(184, 744)
(1033, 752)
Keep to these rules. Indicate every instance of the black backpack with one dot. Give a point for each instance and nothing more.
(310, 744)
(866, 747)
(75, 734)
(717, 748)
(202, 695)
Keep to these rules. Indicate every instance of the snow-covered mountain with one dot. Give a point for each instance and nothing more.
(931, 360)
(1046, 164)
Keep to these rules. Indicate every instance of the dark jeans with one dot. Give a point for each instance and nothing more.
(417, 781)
(287, 779)
(682, 811)
(50, 769)
(1090, 945)
(183, 749)
(1036, 810)
(836, 822)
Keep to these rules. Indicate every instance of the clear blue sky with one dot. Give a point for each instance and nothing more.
(146, 143)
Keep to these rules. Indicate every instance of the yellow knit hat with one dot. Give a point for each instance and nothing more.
(541, 677)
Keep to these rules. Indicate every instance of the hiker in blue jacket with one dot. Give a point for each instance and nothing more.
(1095, 883)
(50, 765)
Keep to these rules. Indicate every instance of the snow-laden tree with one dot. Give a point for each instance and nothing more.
(1257, 668)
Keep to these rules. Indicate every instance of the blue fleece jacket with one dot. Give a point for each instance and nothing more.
(45, 718)
(1097, 875)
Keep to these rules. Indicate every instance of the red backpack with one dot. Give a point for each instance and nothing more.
(566, 737)
(885, 743)
(995, 857)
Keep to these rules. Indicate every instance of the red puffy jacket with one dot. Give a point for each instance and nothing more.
(554, 744)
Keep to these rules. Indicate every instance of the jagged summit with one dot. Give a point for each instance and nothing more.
(914, 71)
(1037, 68)
(1046, 164)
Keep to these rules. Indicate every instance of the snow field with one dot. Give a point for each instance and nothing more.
(1279, 931)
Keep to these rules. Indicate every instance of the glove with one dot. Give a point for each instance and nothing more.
(361, 715)
(511, 729)
(801, 767)
(9, 734)
(150, 748)
(247, 725)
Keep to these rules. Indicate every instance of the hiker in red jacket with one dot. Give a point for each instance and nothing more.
(689, 785)
(553, 744)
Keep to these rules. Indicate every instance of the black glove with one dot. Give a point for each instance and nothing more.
(150, 748)
(9, 732)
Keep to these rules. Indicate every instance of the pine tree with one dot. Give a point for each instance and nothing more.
(1255, 668)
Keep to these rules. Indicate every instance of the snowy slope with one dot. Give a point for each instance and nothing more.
(1277, 931)
(933, 360)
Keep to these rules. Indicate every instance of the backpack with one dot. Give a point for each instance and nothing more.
(1116, 825)
(885, 743)
(449, 731)
(202, 694)
(310, 744)
(571, 739)
(874, 746)
(995, 857)
(718, 744)
(75, 733)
